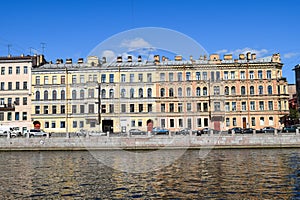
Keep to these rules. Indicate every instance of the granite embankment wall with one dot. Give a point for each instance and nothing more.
(155, 142)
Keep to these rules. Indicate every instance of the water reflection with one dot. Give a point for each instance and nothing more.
(223, 174)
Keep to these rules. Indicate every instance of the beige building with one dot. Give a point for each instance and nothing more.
(206, 92)
(15, 90)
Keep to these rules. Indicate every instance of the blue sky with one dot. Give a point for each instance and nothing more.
(71, 29)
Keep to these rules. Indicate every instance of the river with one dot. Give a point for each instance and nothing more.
(220, 174)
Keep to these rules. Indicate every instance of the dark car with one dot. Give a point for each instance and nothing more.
(267, 129)
(289, 129)
(236, 130)
(248, 130)
(205, 131)
(184, 131)
(136, 132)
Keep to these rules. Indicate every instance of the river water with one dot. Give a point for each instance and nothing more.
(221, 174)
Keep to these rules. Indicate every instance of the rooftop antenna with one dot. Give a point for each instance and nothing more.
(43, 45)
(8, 48)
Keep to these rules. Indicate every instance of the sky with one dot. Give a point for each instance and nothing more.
(72, 29)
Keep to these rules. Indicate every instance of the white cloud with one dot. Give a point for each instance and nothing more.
(109, 54)
(222, 51)
(290, 55)
(135, 43)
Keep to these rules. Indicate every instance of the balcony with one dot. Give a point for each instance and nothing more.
(7, 107)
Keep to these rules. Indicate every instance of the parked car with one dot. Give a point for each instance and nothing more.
(236, 130)
(184, 131)
(37, 132)
(248, 130)
(158, 130)
(136, 131)
(205, 131)
(267, 129)
(289, 129)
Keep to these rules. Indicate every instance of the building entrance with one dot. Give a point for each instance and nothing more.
(107, 126)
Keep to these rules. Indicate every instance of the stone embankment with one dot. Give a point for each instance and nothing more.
(153, 142)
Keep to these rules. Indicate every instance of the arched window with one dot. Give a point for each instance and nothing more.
(54, 94)
(74, 94)
(111, 93)
(180, 92)
(149, 92)
(243, 90)
(232, 90)
(188, 92)
(45, 95)
(103, 93)
(141, 93)
(261, 89)
(198, 91)
(81, 94)
(171, 92)
(205, 91)
(252, 90)
(269, 89)
(226, 91)
(131, 93)
(123, 93)
(37, 95)
(162, 92)
(62, 95)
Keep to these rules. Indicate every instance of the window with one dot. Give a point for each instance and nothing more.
(54, 79)
(10, 70)
(180, 92)
(17, 116)
(232, 75)
(25, 70)
(46, 95)
(91, 93)
(111, 108)
(37, 109)
(2, 70)
(81, 124)
(149, 107)
(171, 92)
(270, 105)
(131, 78)
(149, 92)
(261, 105)
(260, 74)
(123, 108)
(242, 75)
(188, 76)
(17, 101)
(188, 92)
(90, 77)
(81, 78)
(140, 107)
(199, 124)
(217, 75)
(95, 78)
(198, 91)
(24, 100)
(179, 76)
(198, 76)
(269, 74)
(226, 75)
(162, 107)
(91, 108)
(25, 85)
(253, 121)
(227, 122)
(123, 93)
(205, 91)
(271, 121)
(37, 80)
(2, 86)
(81, 93)
(180, 108)
(82, 109)
(204, 74)
(131, 93)
(189, 107)
(1, 116)
(233, 106)
(54, 95)
(189, 123)
(269, 89)
(73, 79)
(163, 123)
(180, 122)
(111, 78)
(217, 106)
(62, 124)
(251, 75)
(74, 109)
(132, 123)
(111, 93)
(9, 116)
(140, 77)
(140, 123)
(73, 94)
(9, 85)
(103, 93)
(103, 78)
(216, 90)
(227, 106)
(172, 123)
(262, 121)
(252, 105)
(63, 80)
(62, 109)
(46, 110)
(234, 121)
(205, 107)
(243, 90)
(54, 109)
(46, 80)
(74, 124)
(123, 78)
(141, 93)
(244, 106)
(131, 108)
(24, 116)
(149, 77)
(260, 89)
(162, 77)
(252, 90)
(232, 90)
(162, 92)
(103, 108)
(226, 91)
(212, 76)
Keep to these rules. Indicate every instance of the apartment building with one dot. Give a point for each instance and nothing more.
(15, 90)
(135, 93)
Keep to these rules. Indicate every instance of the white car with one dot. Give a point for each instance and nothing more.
(36, 132)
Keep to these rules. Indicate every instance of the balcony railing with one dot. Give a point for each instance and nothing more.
(5, 107)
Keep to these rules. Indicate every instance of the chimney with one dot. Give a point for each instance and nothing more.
(248, 56)
(241, 56)
(204, 57)
(253, 56)
(129, 59)
(156, 59)
(22, 55)
(69, 61)
(80, 60)
(228, 57)
(139, 58)
(103, 59)
(191, 58)
(59, 61)
(119, 59)
(163, 58)
(178, 58)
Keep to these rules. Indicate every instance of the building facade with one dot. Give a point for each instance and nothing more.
(118, 96)
(15, 90)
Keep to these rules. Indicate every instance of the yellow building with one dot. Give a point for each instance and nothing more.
(207, 92)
